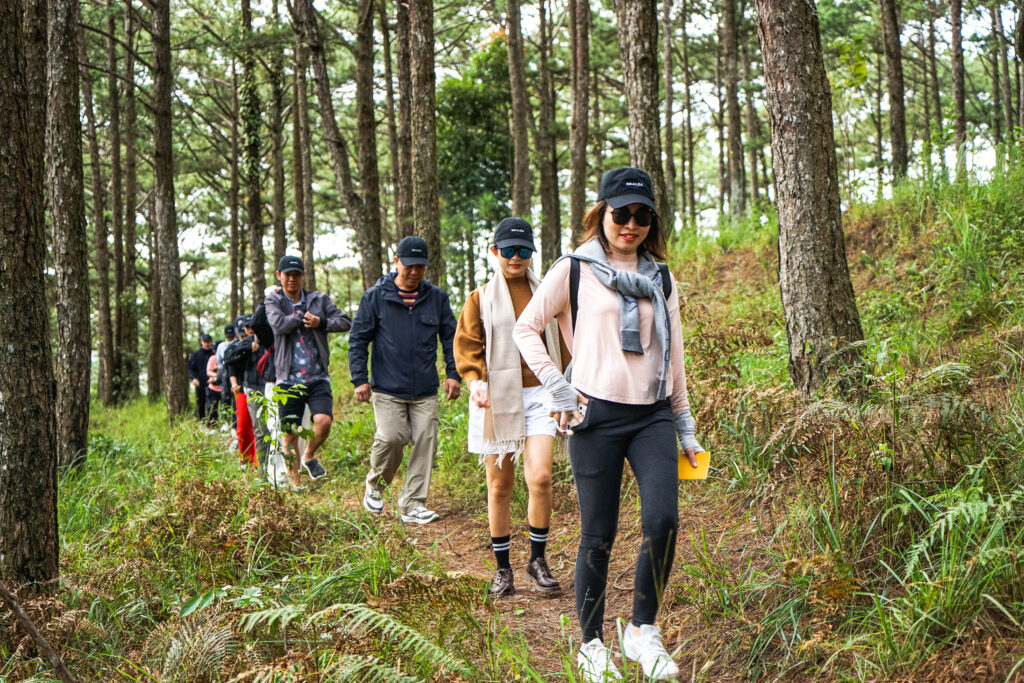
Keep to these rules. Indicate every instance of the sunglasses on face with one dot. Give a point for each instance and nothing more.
(643, 216)
(508, 252)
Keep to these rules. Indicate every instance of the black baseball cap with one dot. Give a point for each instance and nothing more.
(243, 321)
(623, 186)
(206, 337)
(290, 264)
(229, 331)
(412, 251)
(514, 232)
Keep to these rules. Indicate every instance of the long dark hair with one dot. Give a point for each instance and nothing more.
(593, 226)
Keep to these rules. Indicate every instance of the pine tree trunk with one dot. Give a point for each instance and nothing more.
(638, 45)
(690, 190)
(753, 125)
(366, 147)
(579, 130)
(817, 296)
(116, 208)
(425, 191)
(929, 131)
(959, 104)
(520, 114)
(1009, 119)
(252, 116)
(719, 121)
(996, 120)
(933, 70)
(894, 76)
(298, 177)
(389, 106)
(403, 194)
(551, 232)
(670, 157)
(877, 120)
(165, 218)
(101, 259)
(65, 190)
(1018, 48)
(597, 138)
(29, 547)
(276, 145)
(130, 307)
(737, 174)
(155, 355)
(308, 238)
(233, 202)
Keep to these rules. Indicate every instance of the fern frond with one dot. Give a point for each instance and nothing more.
(361, 669)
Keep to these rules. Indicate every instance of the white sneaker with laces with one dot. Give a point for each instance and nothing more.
(373, 501)
(595, 662)
(644, 645)
(420, 515)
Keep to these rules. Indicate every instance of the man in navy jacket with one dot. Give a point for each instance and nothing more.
(402, 316)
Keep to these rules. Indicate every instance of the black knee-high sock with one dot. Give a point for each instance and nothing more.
(501, 544)
(538, 541)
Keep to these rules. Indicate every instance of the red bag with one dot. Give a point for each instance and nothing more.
(261, 364)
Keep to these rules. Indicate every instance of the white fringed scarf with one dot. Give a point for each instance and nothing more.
(505, 420)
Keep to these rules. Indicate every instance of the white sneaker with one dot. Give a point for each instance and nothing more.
(595, 662)
(373, 501)
(643, 645)
(420, 515)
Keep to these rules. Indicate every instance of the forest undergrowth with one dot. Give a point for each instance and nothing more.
(874, 531)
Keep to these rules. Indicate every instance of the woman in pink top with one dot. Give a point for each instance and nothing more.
(626, 402)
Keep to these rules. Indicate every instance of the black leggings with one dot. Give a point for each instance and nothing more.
(610, 434)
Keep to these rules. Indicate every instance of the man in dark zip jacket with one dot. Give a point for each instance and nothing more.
(197, 373)
(402, 316)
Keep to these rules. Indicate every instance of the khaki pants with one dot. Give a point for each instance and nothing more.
(398, 422)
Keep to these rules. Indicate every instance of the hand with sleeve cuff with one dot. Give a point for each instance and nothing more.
(686, 430)
(562, 398)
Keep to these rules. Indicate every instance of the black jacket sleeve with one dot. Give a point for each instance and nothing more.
(447, 334)
(194, 371)
(261, 326)
(363, 331)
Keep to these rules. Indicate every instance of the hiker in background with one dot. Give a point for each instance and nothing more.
(301, 320)
(507, 417)
(402, 316)
(628, 394)
(226, 397)
(238, 358)
(212, 391)
(197, 373)
(246, 379)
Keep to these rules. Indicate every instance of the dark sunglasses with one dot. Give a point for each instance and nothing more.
(643, 216)
(508, 252)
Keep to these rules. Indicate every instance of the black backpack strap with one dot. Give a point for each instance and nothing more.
(666, 282)
(574, 289)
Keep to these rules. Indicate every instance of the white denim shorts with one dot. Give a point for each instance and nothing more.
(538, 421)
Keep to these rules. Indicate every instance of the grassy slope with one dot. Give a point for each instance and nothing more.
(876, 535)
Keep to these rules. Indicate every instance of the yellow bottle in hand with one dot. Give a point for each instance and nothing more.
(688, 471)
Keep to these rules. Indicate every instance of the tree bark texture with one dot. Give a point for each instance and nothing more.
(29, 547)
(579, 127)
(737, 177)
(551, 230)
(933, 71)
(101, 258)
(65, 190)
(129, 344)
(520, 114)
(688, 174)
(116, 206)
(998, 35)
(670, 157)
(638, 46)
(365, 225)
(233, 202)
(389, 106)
(165, 218)
(425, 192)
(959, 104)
(276, 74)
(894, 78)
(252, 116)
(155, 355)
(307, 236)
(403, 193)
(817, 296)
(753, 125)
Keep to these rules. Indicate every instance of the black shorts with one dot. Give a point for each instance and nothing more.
(317, 395)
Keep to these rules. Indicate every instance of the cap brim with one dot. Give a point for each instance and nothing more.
(413, 261)
(292, 270)
(516, 243)
(627, 199)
